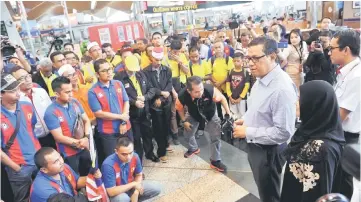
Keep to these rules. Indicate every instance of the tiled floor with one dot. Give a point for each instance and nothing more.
(187, 180)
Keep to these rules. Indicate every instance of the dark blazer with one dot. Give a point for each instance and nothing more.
(37, 78)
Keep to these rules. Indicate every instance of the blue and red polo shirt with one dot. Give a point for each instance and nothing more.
(108, 99)
(44, 185)
(25, 144)
(119, 68)
(116, 173)
(64, 117)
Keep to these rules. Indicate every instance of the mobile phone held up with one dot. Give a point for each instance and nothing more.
(318, 43)
(282, 45)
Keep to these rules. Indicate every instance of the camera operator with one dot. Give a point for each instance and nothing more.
(318, 64)
(19, 59)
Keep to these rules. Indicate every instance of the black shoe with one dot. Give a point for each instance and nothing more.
(189, 154)
(219, 166)
(153, 158)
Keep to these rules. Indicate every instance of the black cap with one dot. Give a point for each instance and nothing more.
(8, 82)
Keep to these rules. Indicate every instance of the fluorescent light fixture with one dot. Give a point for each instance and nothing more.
(93, 4)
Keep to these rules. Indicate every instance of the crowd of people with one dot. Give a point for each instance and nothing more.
(129, 97)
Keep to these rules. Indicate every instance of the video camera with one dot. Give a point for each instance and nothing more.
(57, 43)
(227, 129)
(234, 21)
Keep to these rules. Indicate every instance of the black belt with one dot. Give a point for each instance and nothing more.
(351, 135)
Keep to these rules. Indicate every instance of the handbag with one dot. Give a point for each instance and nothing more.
(78, 130)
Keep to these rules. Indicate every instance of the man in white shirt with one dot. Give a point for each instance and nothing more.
(40, 100)
(344, 50)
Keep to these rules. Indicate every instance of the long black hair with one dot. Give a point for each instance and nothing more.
(298, 32)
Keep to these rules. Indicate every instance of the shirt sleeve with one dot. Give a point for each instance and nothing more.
(109, 177)
(76, 176)
(41, 193)
(207, 68)
(50, 119)
(93, 101)
(124, 93)
(138, 168)
(283, 110)
(179, 106)
(349, 96)
(230, 64)
(33, 118)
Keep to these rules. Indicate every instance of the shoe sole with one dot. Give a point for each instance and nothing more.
(195, 152)
(216, 168)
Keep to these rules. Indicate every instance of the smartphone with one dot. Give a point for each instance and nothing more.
(282, 45)
(318, 44)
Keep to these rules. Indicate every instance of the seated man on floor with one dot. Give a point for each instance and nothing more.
(122, 175)
(55, 176)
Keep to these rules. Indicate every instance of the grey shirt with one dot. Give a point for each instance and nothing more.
(271, 114)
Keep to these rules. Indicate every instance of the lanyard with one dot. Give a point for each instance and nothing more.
(338, 84)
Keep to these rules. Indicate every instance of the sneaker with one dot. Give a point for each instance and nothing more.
(163, 159)
(189, 154)
(175, 139)
(219, 166)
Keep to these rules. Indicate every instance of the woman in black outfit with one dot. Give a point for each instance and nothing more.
(315, 149)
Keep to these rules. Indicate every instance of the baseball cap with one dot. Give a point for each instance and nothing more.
(132, 63)
(66, 68)
(91, 45)
(8, 82)
(158, 53)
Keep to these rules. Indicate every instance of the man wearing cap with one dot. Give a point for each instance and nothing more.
(160, 78)
(139, 93)
(112, 58)
(125, 51)
(110, 104)
(61, 118)
(18, 141)
(40, 100)
(95, 52)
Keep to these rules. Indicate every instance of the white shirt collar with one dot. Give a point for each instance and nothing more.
(347, 68)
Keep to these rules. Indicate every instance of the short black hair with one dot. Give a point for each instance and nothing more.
(193, 49)
(145, 41)
(326, 18)
(69, 44)
(193, 80)
(156, 33)
(326, 33)
(269, 44)
(349, 38)
(39, 156)
(123, 142)
(58, 81)
(238, 55)
(97, 64)
(60, 197)
(56, 53)
(15, 69)
(105, 45)
(176, 45)
(71, 52)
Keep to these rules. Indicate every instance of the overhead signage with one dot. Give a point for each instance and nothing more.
(162, 9)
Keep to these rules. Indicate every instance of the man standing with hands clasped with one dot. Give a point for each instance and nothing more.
(270, 119)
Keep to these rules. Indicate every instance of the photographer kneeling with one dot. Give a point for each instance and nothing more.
(318, 65)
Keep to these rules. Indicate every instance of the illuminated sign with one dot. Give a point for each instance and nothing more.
(174, 8)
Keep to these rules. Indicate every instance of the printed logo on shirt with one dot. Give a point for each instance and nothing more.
(30, 115)
(236, 80)
(120, 90)
(100, 95)
(69, 177)
(4, 126)
(125, 85)
(61, 119)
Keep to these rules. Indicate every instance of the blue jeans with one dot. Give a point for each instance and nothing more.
(150, 190)
(21, 181)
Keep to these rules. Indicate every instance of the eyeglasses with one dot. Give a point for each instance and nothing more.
(254, 59)
(330, 48)
(105, 70)
(25, 77)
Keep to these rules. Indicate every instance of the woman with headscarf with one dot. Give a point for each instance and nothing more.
(315, 149)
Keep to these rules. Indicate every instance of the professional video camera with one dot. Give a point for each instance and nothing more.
(227, 129)
(234, 21)
(57, 42)
(7, 49)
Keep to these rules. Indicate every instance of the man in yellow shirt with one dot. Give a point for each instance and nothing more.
(45, 76)
(198, 67)
(95, 52)
(220, 65)
(146, 58)
(112, 58)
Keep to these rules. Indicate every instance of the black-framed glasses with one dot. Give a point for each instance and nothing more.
(254, 59)
(330, 48)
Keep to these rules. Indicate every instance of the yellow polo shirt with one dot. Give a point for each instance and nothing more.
(144, 60)
(48, 83)
(176, 71)
(88, 70)
(117, 59)
(200, 70)
(220, 70)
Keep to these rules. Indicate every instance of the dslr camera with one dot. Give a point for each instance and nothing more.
(7, 49)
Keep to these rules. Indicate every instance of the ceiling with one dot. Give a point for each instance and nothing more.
(37, 9)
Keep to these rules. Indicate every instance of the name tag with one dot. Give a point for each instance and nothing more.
(126, 85)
